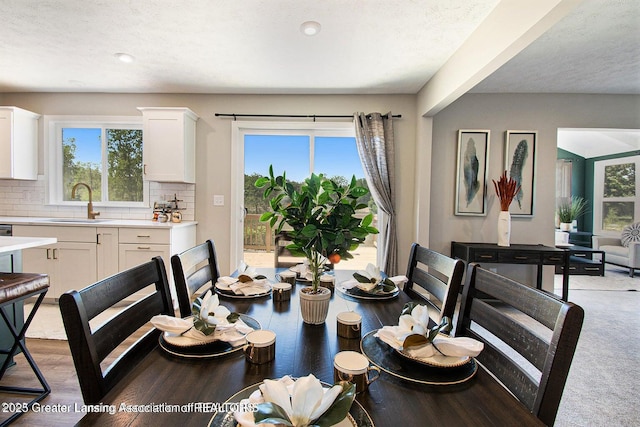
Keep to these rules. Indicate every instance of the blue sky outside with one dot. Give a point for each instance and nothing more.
(88, 145)
(333, 156)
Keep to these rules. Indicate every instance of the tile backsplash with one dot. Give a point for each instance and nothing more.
(27, 198)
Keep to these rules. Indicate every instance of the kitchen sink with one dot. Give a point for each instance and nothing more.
(75, 220)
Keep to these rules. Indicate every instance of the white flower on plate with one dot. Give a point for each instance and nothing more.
(372, 273)
(417, 322)
(212, 311)
(307, 401)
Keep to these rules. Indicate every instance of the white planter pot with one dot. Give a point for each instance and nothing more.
(565, 226)
(504, 228)
(314, 307)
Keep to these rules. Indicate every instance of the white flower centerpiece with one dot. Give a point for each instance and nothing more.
(297, 403)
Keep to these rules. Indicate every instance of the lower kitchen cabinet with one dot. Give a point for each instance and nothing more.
(86, 254)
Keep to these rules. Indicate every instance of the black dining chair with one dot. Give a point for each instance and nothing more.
(529, 337)
(435, 279)
(283, 258)
(91, 347)
(193, 269)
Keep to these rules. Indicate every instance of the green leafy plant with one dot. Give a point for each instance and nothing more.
(321, 215)
(570, 209)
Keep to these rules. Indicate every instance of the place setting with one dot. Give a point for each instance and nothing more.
(414, 352)
(371, 284)
(275, 401)
(211, 331)
(247, 284)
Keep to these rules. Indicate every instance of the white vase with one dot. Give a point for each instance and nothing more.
(565, 226)
(504, 228)
(314, 307)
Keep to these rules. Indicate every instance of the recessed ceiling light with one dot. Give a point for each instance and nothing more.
(124, 57)
(310, 28)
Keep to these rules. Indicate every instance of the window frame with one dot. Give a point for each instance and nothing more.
(241, 128)
(53, 152)
(598, 192)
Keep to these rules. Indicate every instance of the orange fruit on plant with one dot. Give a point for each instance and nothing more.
(334, 258)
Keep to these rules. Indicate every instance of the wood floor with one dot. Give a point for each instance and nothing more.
(54, 360)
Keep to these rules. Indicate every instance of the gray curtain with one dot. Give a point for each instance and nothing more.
(374, 139)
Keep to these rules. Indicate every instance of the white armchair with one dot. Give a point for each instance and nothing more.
(616, 253)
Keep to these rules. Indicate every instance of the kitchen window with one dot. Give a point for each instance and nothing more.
(104, 153)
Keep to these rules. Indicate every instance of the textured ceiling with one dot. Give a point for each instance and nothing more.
(223, 46)
(255, 46)
(594, 49)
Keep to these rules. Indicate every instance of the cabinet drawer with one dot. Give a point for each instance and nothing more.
(484, 256)
(519, 258)
(144, 235)
(553, 259)
(63, 234)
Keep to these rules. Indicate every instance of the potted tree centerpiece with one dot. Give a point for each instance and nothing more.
(323, 226)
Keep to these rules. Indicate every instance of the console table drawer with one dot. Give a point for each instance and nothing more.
(484, 256)
(552, 259)
(519, 257)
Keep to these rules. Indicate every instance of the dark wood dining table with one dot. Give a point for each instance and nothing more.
(162, 379)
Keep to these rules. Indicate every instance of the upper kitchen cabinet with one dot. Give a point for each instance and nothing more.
(18, 143)
(169, 144)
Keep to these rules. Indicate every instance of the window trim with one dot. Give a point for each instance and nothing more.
(53, 152)
(598, 190)
(238, 130)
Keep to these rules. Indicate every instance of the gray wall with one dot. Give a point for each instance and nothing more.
(498, 113)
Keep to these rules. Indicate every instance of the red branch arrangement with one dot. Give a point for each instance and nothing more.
(506, 189)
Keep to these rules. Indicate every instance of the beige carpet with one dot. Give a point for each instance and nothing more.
(48, 321)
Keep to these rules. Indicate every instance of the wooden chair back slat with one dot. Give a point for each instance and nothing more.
(89, 349)
(436, 274)
(530, 344)
(516, 321)
(193, 269)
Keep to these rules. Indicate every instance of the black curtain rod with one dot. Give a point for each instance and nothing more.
(295, 116)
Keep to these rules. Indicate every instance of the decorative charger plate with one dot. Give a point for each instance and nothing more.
(389, 360)
(437, 361)
(198, 350)
(358, 416)
(225, 291)
(358, 293)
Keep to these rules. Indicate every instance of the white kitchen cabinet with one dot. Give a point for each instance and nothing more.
(70, 263)
(169, 144)
(86, 254)
(18, 143)
(107, 252)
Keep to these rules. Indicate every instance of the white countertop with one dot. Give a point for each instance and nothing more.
(100, 222)
(10, 243)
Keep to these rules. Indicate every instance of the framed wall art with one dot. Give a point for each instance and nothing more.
(520, 163)
(471, 172)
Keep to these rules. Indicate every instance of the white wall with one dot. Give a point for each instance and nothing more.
(213, 147)
(498, 113)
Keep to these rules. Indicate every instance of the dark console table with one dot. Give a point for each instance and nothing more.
(516, 254)
(581, 261)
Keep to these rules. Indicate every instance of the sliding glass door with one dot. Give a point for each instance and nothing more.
(298, 149)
